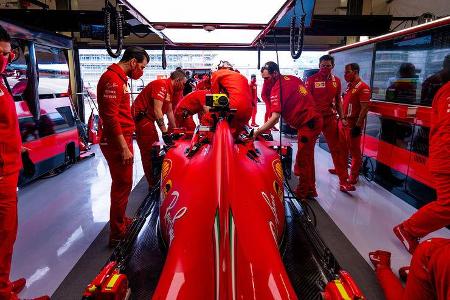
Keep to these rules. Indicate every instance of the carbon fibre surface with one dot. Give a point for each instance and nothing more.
(147, 258)
(301, 265)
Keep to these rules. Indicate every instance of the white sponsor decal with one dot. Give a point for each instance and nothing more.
(272, 206)
(170, 220)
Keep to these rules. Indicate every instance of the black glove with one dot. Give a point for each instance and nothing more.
(167, 139)
(355, 131)
(252, 132)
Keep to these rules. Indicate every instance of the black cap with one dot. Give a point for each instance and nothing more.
(271, 67)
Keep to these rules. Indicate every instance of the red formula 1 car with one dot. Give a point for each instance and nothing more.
(221, 227)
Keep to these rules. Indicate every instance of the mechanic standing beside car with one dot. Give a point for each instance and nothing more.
(10, 164)
(355, 105)
(297, 108)
(325, 89)
(155, 101)
(436, 214)
(116, 141)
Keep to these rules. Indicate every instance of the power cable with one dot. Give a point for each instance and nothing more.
(119, 30)
(296, 45)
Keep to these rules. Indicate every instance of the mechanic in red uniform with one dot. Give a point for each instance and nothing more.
(10, 164)
(265, 95)
(436, 214)
(253, 89)
(297, 109)
(191, 104)
(116, 141)
(155, 101)
(326, 91)
(428, 277)
(356, 105)
(235, 85)
(205, 83)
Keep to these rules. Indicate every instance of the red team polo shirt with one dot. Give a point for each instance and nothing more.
(324, 90)
(236, 86)
(160, 90)
(265, 91)
(297, 105)
(356, 93)
(204, 84)
(193, 102)
(10, 140)
(439, 158)
(113, 100)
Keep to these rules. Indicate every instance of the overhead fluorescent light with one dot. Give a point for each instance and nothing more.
(209, 11)
(218, 36)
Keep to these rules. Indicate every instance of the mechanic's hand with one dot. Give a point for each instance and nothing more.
(355, 131)
(167, 139)
(127, 156)
(344, 122)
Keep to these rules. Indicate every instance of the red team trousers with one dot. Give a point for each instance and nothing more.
(352, 145)
(8, 229)
(254, 112)
(429, 274)
(146, 135)
(436, 214)
(330, 130)
(122, 182)
(304, 161)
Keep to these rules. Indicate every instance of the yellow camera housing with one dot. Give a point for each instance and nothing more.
(217, 100)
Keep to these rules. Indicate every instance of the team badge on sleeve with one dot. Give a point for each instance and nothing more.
(302, 90)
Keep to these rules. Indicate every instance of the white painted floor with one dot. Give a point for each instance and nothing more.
(59, 218)
(365, 216)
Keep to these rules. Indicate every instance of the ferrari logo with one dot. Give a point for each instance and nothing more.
(302, 90)
(286, 78)
(334, 84)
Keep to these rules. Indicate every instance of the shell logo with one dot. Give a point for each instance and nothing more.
(278, 169)
(165, 169)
